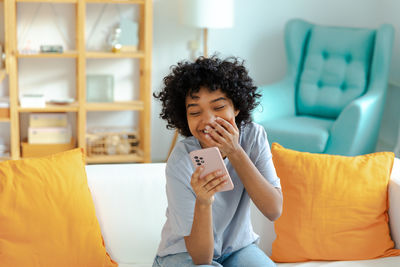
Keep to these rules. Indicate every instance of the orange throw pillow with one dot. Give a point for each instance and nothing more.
(334, 207)
(47, 215)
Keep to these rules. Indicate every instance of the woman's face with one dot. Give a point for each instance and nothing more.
(203, 107)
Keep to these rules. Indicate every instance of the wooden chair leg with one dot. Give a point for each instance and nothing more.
(174, 139)
(397, 146)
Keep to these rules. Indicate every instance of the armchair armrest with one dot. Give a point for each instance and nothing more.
(277, 100)
(356, 129)
(394, 203)
(362, 117)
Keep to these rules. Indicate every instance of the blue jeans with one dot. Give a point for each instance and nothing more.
(250, 256)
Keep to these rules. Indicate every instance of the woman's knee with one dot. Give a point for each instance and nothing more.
(180, 259)
(250, 256)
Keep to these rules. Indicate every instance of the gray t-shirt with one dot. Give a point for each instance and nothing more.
(230, 210)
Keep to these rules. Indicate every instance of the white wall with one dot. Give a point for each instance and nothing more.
(257, 37)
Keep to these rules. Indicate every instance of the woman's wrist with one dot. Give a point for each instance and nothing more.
(235, 154)
(204, 203)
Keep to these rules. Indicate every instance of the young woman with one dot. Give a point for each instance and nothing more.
(210, 102)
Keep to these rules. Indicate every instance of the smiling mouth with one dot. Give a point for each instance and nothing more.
(205, 131)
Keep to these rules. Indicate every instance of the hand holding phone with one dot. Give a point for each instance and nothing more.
(211, 160)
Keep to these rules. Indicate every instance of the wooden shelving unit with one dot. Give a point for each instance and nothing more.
(81, 107)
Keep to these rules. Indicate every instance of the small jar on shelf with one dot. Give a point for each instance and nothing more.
(115, 41)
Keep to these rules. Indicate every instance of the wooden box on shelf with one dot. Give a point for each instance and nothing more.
(39, 150)
(4, 113)
(4, 108)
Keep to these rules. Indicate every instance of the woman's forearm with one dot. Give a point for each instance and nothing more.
(200, 242)
(267, 198)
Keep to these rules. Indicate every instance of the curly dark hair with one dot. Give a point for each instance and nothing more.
(213, 73)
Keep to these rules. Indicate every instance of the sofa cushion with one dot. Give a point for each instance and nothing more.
(394, 200)
(335, 207)
(47, 216)
(130, 202)
(301, 133)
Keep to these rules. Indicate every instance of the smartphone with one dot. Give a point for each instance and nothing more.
(211, 160)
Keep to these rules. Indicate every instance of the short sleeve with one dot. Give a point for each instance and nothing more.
(181, 197)
(261, 152)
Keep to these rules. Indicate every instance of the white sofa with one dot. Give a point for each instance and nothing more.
(130, 204)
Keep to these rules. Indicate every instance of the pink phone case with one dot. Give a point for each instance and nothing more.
(211, 159)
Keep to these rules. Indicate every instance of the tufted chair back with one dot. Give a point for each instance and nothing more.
(336, 67)
(333, 95)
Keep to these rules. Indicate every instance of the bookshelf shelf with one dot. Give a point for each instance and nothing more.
(138, 54)
(116, 158)
(47, 1)
(67, 54)
(52, 108)
(115, 106)
(139, 2)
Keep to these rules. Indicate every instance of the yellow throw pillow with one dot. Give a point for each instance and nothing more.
(47, 215)
(334, 207)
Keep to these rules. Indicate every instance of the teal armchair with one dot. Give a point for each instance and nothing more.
(332, 98)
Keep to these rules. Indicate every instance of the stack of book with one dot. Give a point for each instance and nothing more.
(49, 128)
